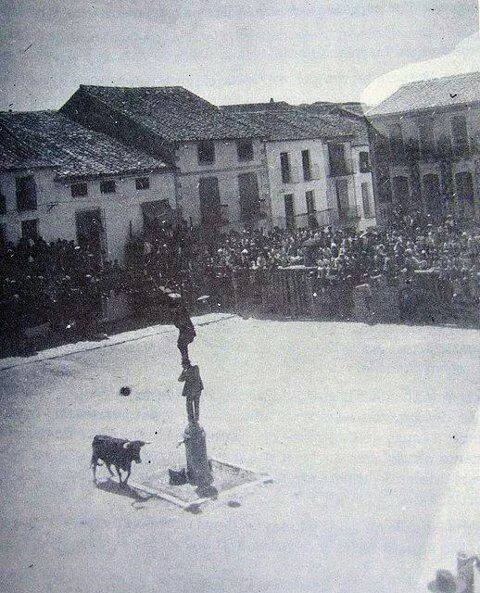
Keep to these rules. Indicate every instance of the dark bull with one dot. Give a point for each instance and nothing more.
(117, 452)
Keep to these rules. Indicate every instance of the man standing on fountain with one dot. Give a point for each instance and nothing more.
(182, 321)
(192, 390)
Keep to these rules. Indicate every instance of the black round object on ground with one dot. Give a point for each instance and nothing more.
(125, 391)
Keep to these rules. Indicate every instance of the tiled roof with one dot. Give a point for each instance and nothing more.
(427, 94)
(49, 139)
(173, 113)
(294, 124)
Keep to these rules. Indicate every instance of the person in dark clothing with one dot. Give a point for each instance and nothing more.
(192, 390)
(182, 321)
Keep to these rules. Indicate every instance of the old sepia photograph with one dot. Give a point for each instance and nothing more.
(240, 296)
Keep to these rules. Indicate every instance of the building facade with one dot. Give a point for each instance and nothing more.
(59, 180)
(220, 174)
(426, 148)
(317, 166)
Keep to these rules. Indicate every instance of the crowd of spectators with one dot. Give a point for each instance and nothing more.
(64, 284)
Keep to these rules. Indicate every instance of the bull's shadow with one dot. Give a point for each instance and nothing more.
(109, 485)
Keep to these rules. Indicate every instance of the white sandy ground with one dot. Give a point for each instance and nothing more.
(371, 435)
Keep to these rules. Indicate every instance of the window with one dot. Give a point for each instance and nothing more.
(426, 136)
(336, 157)
(367, 205)
(26, 191)
(464, 184)
(307, 169)
(364, 162)
(341, 186)
(142, 183)
(3, 203)
(245, 150)
(285, 167)
(30, 229)
(107, 186)
(209, 193)
(401, 191)
(432, 193)
(249, 196)
(384, 190)
(289, 211)
(396, 140)
(206, 152)
(79, 190)
(310, 200)
(459, 133)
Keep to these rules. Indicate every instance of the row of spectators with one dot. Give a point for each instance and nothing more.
(63, 283)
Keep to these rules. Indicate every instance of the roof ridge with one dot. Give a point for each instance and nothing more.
(106, 86)
(462, 75)
(29, 112)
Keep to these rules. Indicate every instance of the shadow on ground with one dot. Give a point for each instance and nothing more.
(125, 490)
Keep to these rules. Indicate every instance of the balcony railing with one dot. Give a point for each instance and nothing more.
(318, 219)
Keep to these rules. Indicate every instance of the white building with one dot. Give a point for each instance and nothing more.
(318, 166)
(219, 161)
(426, 152)
(60, 180)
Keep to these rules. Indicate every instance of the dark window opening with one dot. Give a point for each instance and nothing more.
(341, 186)
(285, 167)
(366, 201)
(90, 232)
(464, 185)
(426, 137)
(397, 146)
(79, 190)
(26, 191)
(30, 229)
(432, 193)
(142, 183)
(310, 200)
(245, 150)
(210, 207)
(364, 162)
(459, 133)
(3, 204)
(206, 152)
(384, 190)
(249, 196)
(336, 157)
(401, 190)
(289, 211)
(107, 186)
(306, 165)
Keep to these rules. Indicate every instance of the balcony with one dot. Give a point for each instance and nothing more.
(316, 219)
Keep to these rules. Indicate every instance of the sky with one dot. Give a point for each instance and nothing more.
(230, 52)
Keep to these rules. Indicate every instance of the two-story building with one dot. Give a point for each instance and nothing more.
(426, 147)
(60, 180)
(219, 161)
(317, 171)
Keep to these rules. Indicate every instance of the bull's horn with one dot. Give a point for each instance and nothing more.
(146, 443)
(125, 445)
